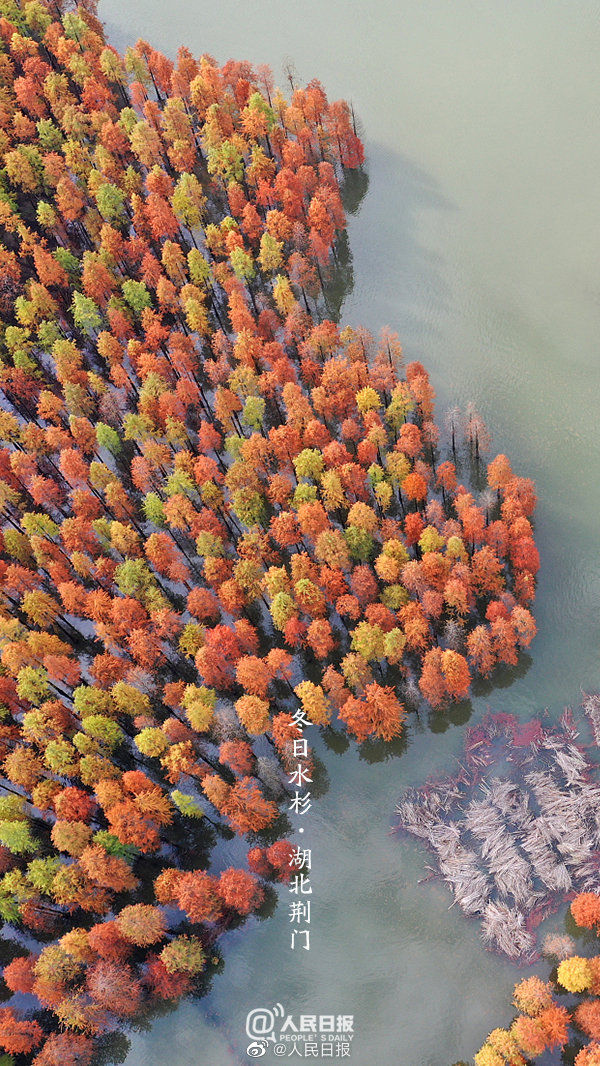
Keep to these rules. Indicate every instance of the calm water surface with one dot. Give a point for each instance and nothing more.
(478, 242)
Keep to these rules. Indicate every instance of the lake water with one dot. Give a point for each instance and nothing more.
(477, 240)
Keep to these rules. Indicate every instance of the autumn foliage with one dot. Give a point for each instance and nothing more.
(206, 486)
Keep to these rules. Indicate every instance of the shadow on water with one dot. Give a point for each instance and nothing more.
(340, 282)
(374, 751)
(113, 1048)
(502, 676)
(354, 189)
(458, 714)
(320, 782)
(398, 279)
(269, 904)
(439, 722)
(336, 740)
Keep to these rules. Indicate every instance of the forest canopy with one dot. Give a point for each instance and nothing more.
(220, 509)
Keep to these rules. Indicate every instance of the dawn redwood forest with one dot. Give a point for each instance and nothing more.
(223, 512)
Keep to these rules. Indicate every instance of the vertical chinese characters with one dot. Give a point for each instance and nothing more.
(300, 884)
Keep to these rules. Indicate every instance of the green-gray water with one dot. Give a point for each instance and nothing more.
(477, 240)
